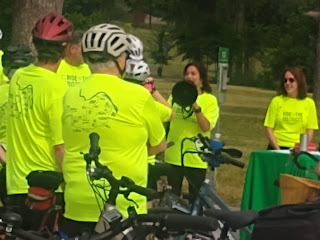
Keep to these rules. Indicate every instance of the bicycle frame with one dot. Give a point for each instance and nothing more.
(209, 198)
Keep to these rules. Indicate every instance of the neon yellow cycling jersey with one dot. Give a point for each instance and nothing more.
(122, 113)
(289, 117)
(187, 126)
(73, 75)
(34, 124)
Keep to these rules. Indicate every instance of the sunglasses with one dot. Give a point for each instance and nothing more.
(288, 79)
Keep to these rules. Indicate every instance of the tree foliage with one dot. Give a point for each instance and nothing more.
(274, 33)
(159, 49)
(5, 22)
(87, 13)
(264, 36)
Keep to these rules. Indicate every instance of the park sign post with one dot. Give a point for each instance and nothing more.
(222, 79)
(223, 68)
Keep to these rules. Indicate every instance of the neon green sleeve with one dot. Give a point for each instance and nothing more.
(153, 122)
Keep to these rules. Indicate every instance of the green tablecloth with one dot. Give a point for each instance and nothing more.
(265, 167)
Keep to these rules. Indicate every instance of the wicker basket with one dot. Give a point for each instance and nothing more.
(297, 189)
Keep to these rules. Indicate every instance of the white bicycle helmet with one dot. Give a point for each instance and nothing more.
(137, 70)
(136, 51)
(106, 39)
(1, 34)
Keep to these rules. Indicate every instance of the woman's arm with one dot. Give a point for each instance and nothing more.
(201, 119)
(310, 134)
(271, 137)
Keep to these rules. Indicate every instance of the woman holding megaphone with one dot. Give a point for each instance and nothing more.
(196, 111)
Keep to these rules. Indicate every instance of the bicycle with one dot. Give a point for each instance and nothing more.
(10, 226)
(41, 201)
(207, 198)
(243, 219)
(111, 223)
(111, 218)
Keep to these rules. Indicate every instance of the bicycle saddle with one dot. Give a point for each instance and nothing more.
(13, 218)
(49, 180)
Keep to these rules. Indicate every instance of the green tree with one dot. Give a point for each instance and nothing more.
(5, 23)
(159, 50)
(87, 13)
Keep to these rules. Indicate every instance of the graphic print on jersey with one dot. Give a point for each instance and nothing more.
(93, 112)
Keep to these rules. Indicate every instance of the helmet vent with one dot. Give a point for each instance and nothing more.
(100, 39)
(119, 47)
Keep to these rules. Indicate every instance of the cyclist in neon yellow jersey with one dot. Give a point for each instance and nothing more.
(137, 71)
(3, 105)
(15, 57)
(72, 69)
(4, 90)
(34, 135)
(201, 117)
(291, 112)
(129, 128)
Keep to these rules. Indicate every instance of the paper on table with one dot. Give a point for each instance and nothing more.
(287, 151)
(281, 151)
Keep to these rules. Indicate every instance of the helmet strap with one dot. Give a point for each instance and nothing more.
(121, 71)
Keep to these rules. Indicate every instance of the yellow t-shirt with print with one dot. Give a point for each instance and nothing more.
(185, 125)
(3, 77)
(164, 113)
(34, 124)
(122, 113)
(73, 75)
(4, 92)
(289, 117)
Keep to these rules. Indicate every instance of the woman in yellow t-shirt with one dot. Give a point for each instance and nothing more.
(201, 118)
(291, 113)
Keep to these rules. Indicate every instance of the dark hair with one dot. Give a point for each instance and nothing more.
(48, 51)
(203, 75)
(300, 77)
(16, 56)
(76, 37)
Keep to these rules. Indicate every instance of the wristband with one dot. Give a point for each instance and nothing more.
(153, 90)
(197, 110)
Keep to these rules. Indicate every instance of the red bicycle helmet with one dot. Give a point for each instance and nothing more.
(53, 27)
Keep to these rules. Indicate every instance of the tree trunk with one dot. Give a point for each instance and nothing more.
(150, 13)
(25, 15)
(241, 65)
(159, 71)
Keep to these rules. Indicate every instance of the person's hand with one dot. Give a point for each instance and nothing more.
(149, 85)
(196, 108)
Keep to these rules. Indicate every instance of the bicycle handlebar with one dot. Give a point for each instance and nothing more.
(213, 157)
(104, 172)
(229, 160)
